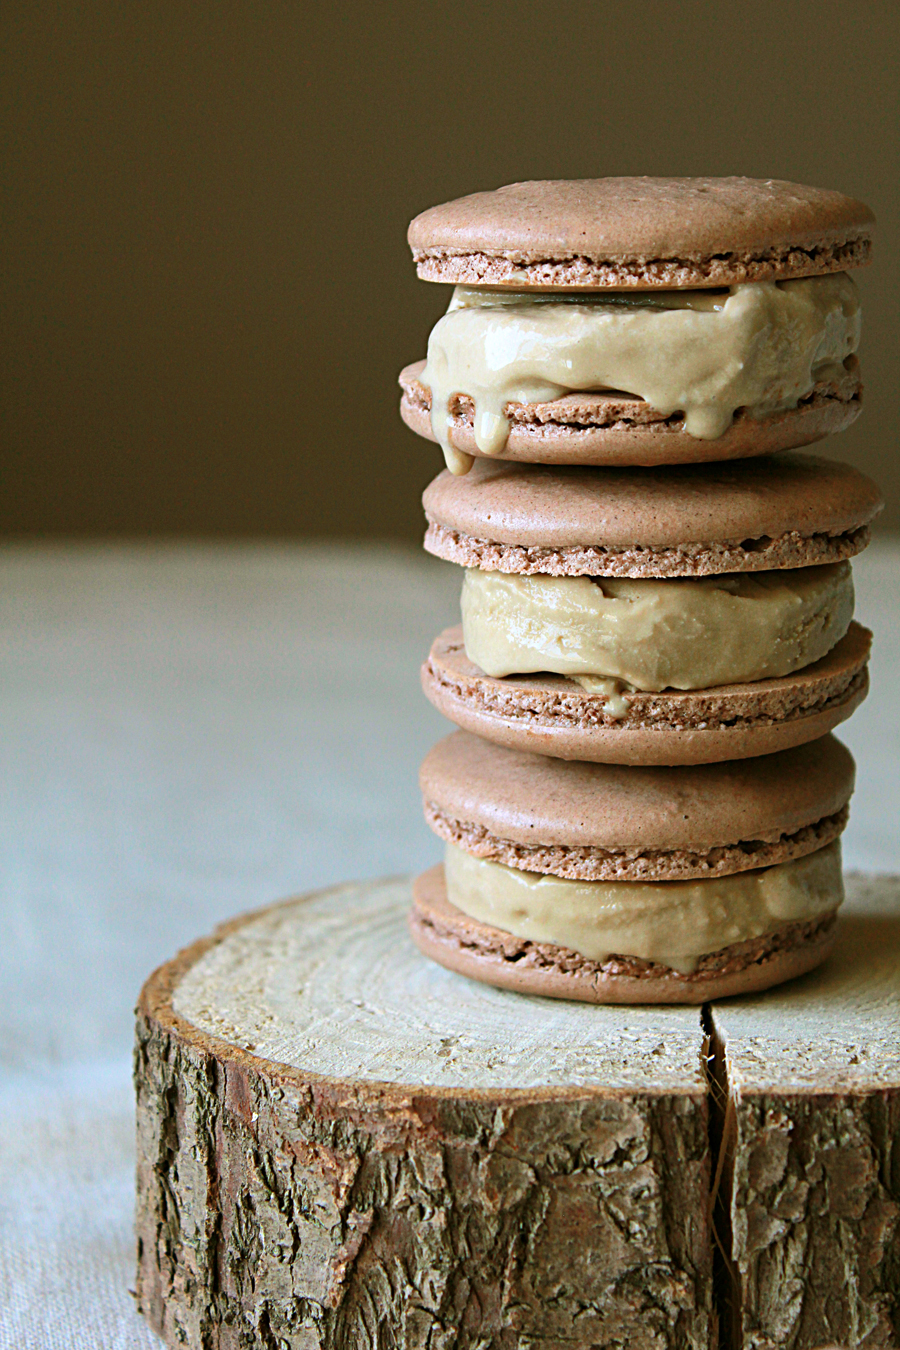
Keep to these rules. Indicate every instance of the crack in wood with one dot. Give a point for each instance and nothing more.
(720, 1105)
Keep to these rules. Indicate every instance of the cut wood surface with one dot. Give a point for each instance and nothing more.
(333, 985)
(812, 1137)
(341, 1144)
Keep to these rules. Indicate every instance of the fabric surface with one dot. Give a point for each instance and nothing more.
(190, 732)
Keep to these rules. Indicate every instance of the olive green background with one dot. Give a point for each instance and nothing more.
(208, 290)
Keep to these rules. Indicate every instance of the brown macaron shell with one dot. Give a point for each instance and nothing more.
(641, 233)
(552, 715)
(616, 429)
(446, 935)
(790, 510)
(596, 822)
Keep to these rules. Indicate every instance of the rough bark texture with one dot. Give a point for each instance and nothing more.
(816, 1220)
(277, 1214)
(290, 1211)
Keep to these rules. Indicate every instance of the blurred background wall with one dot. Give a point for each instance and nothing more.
(208, 293)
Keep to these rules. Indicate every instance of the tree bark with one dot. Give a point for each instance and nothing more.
(280, 1207)
(812, 1143)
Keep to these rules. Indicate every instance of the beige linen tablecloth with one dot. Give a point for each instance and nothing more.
(189, 732)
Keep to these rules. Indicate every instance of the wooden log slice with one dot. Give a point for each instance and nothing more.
(343, 1145)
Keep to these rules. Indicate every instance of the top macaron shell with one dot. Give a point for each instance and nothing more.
(641, 233)
(533, 800)
(790, 510)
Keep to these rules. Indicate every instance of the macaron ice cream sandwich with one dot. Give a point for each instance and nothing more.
(657, 630)
(637, 616)
(639, 320)
(628, 885)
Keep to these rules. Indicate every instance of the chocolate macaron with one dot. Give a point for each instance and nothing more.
(639, 321)
(632, 885)
(681, 615)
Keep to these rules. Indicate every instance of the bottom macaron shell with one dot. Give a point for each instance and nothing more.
(551, 715)
(446, 935)
(603, 429)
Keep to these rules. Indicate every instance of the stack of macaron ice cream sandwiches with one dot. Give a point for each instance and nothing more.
(643, 801)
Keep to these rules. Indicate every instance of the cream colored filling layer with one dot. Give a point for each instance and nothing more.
(674, 633)
(760, 346)
(672, 922)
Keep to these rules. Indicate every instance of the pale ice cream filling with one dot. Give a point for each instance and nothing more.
(674, 923)
(618, 634)
(761, 346)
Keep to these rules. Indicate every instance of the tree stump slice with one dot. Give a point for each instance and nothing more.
(811, 1158)
(343, 1145)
